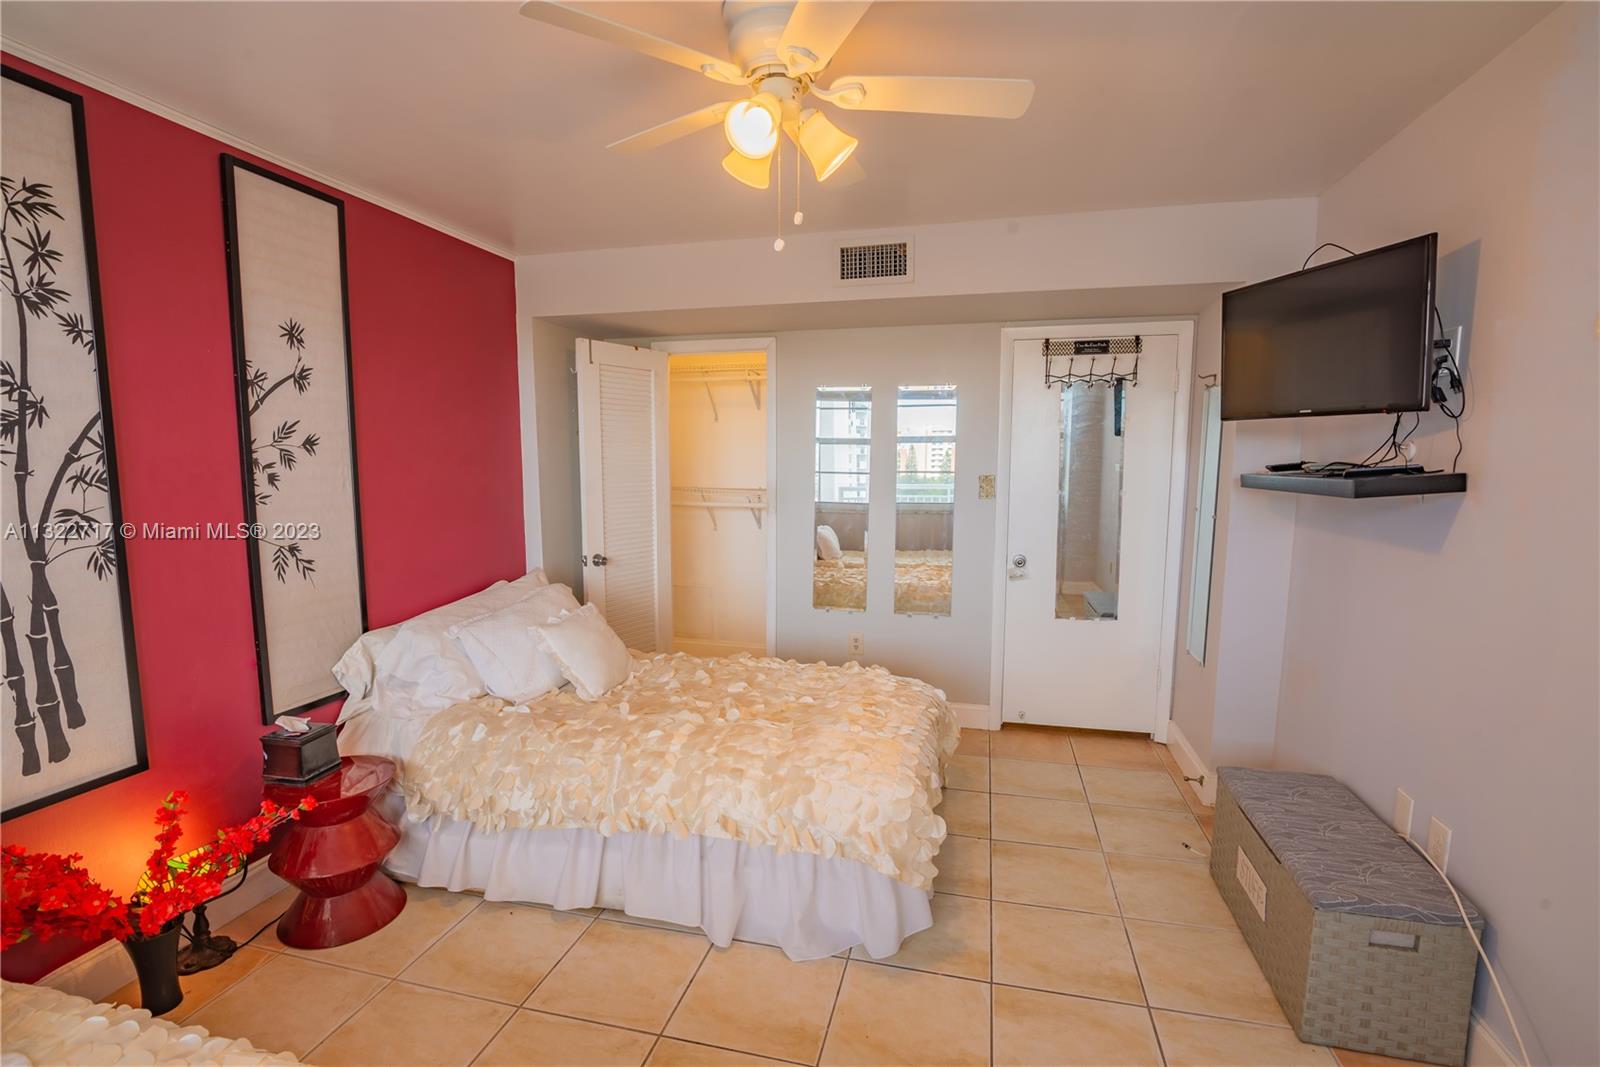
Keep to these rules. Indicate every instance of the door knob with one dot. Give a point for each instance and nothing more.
(1019, 561)
(597, 560)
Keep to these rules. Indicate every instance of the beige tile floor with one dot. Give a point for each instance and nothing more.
(1075, 923)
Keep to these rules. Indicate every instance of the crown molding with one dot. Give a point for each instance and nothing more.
(155, 107)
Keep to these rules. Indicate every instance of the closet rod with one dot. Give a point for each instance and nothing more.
(712, 498)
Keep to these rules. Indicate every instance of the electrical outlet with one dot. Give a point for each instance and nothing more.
(1402, 812)
(1438, 843)
(1457, 336)
(858, 644)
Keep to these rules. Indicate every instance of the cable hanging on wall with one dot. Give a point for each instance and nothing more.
(1092, 361)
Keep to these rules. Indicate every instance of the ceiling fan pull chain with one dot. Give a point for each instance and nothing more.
(799, 216)
(777, 165)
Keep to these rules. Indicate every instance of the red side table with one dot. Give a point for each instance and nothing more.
(331, 854)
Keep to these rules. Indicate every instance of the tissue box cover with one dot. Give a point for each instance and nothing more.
(296, 759)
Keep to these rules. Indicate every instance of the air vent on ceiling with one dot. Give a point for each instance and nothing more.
(883, 261)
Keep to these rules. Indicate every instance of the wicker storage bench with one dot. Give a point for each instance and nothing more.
(1357, 935)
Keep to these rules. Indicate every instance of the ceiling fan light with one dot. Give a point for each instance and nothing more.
(825, 145)
(756, 173)
(751, 126)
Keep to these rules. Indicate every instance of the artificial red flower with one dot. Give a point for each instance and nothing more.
(176, 884)
(45, 895)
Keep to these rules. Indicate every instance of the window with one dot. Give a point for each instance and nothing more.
(843, 477)
(1205, 522)
(924, 496)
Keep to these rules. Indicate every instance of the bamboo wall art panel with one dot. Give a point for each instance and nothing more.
(291, 344)
(71, 693)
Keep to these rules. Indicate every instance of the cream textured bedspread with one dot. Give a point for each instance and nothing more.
(837, 761)
(921, 581)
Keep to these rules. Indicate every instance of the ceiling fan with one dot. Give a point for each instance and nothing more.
(779, 49)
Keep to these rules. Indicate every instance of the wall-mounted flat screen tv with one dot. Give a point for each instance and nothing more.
(1345, 338)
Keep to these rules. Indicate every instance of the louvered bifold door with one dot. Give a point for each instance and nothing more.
(622, 460)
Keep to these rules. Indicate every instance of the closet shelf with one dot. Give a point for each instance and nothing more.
(714, 498)
(752, 374)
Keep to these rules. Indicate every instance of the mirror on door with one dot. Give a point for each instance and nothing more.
(843, 471)
(924, 498)
(1089, 505)
(1205, 521)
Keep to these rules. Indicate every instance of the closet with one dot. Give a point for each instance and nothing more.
(717, 419)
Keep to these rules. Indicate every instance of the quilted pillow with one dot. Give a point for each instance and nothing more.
(592, 656)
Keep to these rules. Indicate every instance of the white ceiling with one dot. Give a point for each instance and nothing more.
(493, 125)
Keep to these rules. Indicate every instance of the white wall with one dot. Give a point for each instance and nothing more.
(550, 451)
(1198, 243)
(953, 652)
(1448, 645)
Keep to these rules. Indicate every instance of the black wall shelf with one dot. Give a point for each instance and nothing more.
(1357, 488)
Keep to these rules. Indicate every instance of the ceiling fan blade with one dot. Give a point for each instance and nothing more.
(994, 98)
(603, 29)
(815, 31)
(672, 129)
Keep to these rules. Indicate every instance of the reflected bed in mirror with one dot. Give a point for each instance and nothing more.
(843, 473)
(924, 498)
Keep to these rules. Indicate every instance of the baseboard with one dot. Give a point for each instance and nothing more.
(972, 716)
(1191, 764)
(106, 968)
(1485, 1049)
(95, 975)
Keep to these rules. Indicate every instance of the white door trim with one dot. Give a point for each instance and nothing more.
(769, 345)
(1177, 492)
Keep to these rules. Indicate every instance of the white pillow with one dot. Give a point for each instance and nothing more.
(422, 671)
(592, 656)
(506, 650)
(534, 579)
(374, 653)
(415, 668)
(357, 667)
(827, 543)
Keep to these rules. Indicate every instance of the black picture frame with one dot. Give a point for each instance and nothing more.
(141, 762)
(231, 164)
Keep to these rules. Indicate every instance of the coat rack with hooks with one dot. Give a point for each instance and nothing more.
(1092, 361)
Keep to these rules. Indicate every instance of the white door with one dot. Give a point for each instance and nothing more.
(1087, 544)
(626, 489)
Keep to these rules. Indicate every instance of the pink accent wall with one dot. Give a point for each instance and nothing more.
(433, 330)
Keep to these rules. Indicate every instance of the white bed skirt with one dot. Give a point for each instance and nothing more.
(809, 906)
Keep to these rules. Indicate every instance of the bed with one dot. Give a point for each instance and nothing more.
(754, 798)
(921, 581)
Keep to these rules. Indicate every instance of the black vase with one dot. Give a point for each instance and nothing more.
(155, 961)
